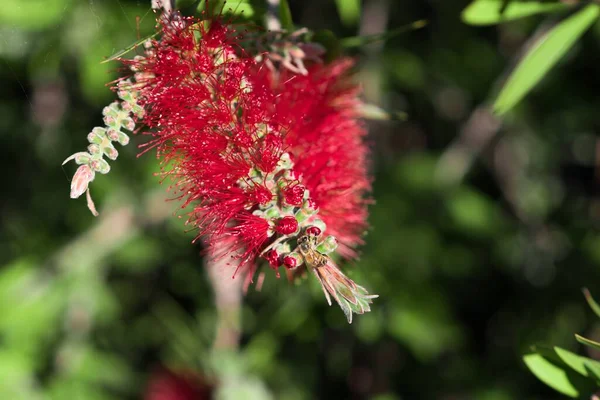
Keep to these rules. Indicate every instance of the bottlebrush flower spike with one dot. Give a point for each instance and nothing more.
(270, 158)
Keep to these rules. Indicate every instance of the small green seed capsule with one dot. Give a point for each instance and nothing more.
(123, 139)
(100, 166)
(94, 149)
(82, 158)
(328, 245)
(96, 135)
(272, 212)
(110, 152)
(128, 124)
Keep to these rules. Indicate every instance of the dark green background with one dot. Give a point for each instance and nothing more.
(472, 268)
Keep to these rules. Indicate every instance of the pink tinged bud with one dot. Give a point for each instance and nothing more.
(96, 135)
(110, 152)
(293, 260)
(80, 158)
(94, 149)
(123, 139)
(287, 225)
(128, 124)
(126, 105)
(100, 166)
(112, 134)
(294, 195)
(81, 180)
(313, 231)
(109, 120)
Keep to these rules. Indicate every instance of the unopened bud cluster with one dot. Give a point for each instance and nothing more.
(117, 116)
(290, 212)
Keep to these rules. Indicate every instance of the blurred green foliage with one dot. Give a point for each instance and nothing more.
(483, 231)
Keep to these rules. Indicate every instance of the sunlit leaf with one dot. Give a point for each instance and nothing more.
(543, 56)
(349, 11)
(490, 12)
(550, 374)
(583, 365)
(285, 16)
(591, 302)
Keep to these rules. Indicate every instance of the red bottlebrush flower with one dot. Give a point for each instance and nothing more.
(169, 385)
(263, 156)
(327, 144)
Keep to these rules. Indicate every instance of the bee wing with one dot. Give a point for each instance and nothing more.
(326, 289)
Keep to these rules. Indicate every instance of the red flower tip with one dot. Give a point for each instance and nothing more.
(273, 258)
(290, 262)
(262, 195)
(313, 231)
(294, 195)
(287, 225)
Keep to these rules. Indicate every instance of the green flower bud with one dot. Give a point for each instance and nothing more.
(328, 245)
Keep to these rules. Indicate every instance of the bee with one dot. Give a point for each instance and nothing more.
(352, 298)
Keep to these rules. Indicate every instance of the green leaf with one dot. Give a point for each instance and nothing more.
(591, 302)
(583, 365)
(349, 11)
(490, 12)
(330, 41)
(551, 374)
(587, 342)
(542, 57)
(285, 16)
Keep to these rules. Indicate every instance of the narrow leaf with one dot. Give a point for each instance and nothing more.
(373, 112)
(349, 11)
(129, 48)
(591, 302)
(550, 374)
(490, 12)
(285, 16)
(587, 342)
(583, 365)
(543, 56)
